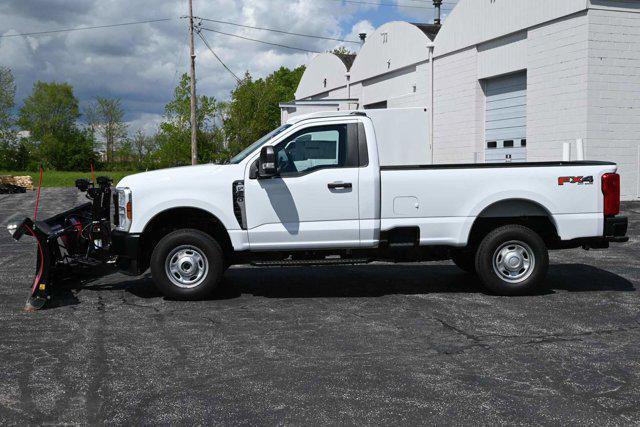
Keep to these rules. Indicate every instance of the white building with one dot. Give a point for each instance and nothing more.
(323, 87)
(507, 80)
(391, 70)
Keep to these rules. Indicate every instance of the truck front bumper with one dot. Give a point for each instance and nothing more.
(127, 247)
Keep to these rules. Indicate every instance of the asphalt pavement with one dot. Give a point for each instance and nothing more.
(376, 344)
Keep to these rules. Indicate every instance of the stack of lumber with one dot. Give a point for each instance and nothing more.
(15, 184)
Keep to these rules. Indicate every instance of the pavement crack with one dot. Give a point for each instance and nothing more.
(125, 301)
(97, 367)
(551, 340)
(462, 332)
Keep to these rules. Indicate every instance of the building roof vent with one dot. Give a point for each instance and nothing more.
(437, 4)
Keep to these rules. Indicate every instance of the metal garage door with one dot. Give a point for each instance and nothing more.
(506, 118)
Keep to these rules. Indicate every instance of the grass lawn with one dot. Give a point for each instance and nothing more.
(66, 179)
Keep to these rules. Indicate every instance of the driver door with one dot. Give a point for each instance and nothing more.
(313, 202)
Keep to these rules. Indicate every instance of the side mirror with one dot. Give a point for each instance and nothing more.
(267, 163)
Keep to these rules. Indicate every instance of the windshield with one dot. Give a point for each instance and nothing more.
(250, 149)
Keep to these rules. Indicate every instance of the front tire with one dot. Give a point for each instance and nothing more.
(187, 265)
(512, 260)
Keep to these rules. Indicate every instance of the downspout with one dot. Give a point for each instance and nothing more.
(431, 59)
(348, 77)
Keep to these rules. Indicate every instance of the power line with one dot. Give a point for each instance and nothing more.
(206, 43)
(384, 4)
(64, 30)
(453, 2)
(279, 31)
(260, 41)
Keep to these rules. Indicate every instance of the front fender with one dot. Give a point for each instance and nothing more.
(142, 215)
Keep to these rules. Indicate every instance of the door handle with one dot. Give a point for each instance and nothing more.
(340, 186)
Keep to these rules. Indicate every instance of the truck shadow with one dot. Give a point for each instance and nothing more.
(380, 280)
(344, 281)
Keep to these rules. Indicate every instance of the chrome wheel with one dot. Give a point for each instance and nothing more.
(514, 262)
(186, 266)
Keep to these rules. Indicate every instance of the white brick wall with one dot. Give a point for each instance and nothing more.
(557, 74)
(613, 130)
(458, 107)
(397, 84)
(405, 96)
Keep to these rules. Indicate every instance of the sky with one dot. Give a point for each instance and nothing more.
(141, 64)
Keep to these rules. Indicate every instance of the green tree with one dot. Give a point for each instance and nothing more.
(71, 150)
(10, 149)
(124, 156)
(143, 150)
(254, 106)
(174, 137)
(341, 50)
(50, 109)
(50, 114)
(7, 102)
(105, 117)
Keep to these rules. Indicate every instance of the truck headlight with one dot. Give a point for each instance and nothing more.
(124, 209)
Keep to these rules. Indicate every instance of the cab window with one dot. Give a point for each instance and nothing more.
(311, 149)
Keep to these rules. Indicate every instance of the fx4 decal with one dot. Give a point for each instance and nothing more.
(580, 180)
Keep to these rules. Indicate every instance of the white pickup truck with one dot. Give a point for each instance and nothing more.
(323, 190)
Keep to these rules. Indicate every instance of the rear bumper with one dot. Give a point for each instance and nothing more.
(615, 228)
(615, 231)
(127, 247)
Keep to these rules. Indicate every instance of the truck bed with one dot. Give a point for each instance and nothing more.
(444, 200)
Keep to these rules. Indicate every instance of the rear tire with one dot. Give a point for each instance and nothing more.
(187, 265)
(512, 260)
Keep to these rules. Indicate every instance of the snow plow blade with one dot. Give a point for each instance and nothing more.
(69, 245)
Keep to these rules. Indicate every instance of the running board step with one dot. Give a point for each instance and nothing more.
(305, 262)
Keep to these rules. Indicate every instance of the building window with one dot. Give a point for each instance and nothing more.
(492, 144)
(508, 144)
(523, 142)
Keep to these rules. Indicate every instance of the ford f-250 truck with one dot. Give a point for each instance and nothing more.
(314, 192)
(325, 189)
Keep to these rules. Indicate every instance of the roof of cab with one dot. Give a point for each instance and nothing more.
(324, 114)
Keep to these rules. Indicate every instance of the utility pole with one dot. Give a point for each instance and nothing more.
(194, 125)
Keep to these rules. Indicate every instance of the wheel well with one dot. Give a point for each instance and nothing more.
(516, 211)
(179, 218)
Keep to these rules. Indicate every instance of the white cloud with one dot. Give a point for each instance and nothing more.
(147, 123)
(422, 12)
(360, 27)
(141, 64)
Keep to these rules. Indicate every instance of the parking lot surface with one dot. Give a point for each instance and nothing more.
(376, 344)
